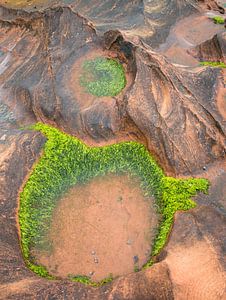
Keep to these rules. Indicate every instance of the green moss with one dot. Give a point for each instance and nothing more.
(86, 280)
(176, 195)
(218, 20)
(214, 64)
(39, 270)
(67, 161)
(102, 77)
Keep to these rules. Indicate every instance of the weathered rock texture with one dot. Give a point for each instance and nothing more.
(42, 52)
(171, 104)
(211, 50)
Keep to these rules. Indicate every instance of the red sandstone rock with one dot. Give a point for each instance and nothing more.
(176, 110)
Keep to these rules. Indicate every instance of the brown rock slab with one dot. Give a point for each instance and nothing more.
(174, 107)
(181, 122)
(194, 255)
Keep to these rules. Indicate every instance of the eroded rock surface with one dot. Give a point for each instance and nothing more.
(181, 123)
(170, 104)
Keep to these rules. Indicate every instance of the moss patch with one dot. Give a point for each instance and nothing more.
(214, 64)
(102, 77)
(86, 280)
(67, 161)
(218, 20)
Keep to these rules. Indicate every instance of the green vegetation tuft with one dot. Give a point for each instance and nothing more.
(86, 280)
(218, 20)
(176, 195)
(214, 64)
(66, 161)
(39, 270)
(103, 77)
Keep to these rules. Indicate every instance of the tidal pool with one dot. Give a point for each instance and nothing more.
(69, 169)
(103, 76)
(103, 227)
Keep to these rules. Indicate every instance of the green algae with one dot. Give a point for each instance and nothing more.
(86, 280)
(67, 161)
(214, 64)
(102, 77)
(218, 20)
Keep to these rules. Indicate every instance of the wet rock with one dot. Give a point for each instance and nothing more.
(182, 139)
(213, 49)
(176, 111)
(22, 150)
(213, 5)
(194, 255)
